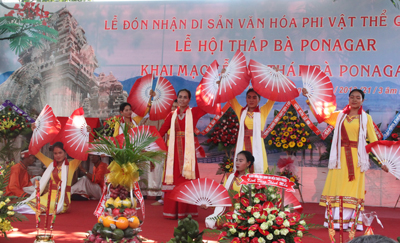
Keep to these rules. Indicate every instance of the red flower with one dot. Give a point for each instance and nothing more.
(264, 232)
(297, 239)
(241, 217)
(235, 240)
(246, 240)
(254, 240)
(242, 227)
(261, 196)
(229, 215)
(242, 211)
(209, 140)
(281, 241)
(279, 220)
(256, 208)
(394, 135)
(16, 6)
(268, 205)
(291, 230)
(260, 221)
(245, 202)
(222, 235)
(230, 225)
(254, 227)
(301, 227)
(292, 221)
(237, 195)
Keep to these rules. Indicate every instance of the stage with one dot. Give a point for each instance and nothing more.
(72, 226)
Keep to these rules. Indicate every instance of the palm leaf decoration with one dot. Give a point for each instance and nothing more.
(130, 153)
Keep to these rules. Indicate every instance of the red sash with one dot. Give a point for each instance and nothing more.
(54, 186)
(180, 143)
(347, 144)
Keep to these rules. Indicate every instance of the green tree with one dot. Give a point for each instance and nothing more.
(26, 25)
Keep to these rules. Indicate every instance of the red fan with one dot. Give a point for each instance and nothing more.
(162, 101)
(233, 81)
(75, 135)
(137, 133)
(291, 199)
(139, 97)
(271, 84)
(388, 153)
(202, 191)
(320, 91)
(47, 128)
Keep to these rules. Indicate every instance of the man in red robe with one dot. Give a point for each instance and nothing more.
(91, 185)
(19, 177)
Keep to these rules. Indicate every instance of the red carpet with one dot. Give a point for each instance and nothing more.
(71, 227)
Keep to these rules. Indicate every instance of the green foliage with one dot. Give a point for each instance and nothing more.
(12, 125)
(24, 26)
(187, 231)
(130, 149)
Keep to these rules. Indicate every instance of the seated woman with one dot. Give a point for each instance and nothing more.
(58, 169)
(244, 161)
(125, 110)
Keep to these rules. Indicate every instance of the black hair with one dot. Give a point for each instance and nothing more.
(249, 157)
(252, 90)
(175, 101)
(372, 239)
(123, 105)
(59, 145)
(359, 91)
(189, 94)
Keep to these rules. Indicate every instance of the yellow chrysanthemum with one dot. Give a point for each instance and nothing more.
(293, 118)
(309, 146)
(283, 141)
(278, 138)
(273, 132)
(280, 122)
(280, 134)
(285, 146)
(290, 113)
(292, 179)
(299, 131)
(278, 144)
(286, 134)
(299, 144)
(227, 166)
(293, 136)
(290, 129)
(285, 118)
(283, 128)
(269, 142)
(306, 133)
(302, 124)
(297, 125)
(292, 144)
(303, 139)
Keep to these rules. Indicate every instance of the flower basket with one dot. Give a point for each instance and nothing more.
(291, 134)
(260, 217)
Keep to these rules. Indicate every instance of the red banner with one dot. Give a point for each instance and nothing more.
(100, 206)
(139, 196)
(270, 180)
(304, 116)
